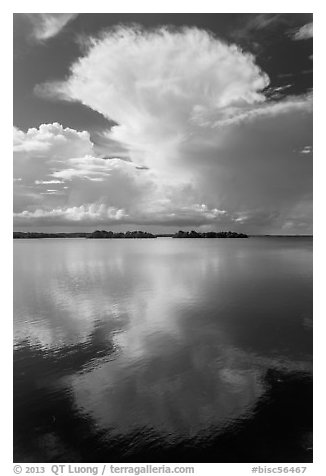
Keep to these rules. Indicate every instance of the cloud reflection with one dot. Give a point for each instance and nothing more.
(159, 336)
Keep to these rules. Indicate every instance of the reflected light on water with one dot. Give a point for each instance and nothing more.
(161, 349)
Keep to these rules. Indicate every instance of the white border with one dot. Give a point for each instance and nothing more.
(170, 6)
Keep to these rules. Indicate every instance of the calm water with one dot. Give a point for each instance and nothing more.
(163, 350)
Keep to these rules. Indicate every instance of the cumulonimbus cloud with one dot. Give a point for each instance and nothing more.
(187, 109)
(155, 84)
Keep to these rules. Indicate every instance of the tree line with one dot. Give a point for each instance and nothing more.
(209, 234)
(129, 234)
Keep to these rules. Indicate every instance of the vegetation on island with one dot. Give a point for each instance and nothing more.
(36, 234)
(209, 234)
(94, 234)
(128, 234)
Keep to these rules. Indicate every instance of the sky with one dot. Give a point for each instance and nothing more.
(163, 122)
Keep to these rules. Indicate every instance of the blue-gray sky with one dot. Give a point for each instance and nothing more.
(163, 121)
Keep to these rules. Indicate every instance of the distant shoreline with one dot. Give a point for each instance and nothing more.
(140, 234)
(103, 234)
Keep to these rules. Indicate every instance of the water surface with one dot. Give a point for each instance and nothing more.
(163, 350)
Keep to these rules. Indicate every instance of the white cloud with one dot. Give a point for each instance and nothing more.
(53, 140)
(47, 182)
(38, 151)
(84, 213)
(271, 109)
(52, 154)
(306, 150)
(100, 213)
(304, 33)
(92, 168)
(48, 25)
